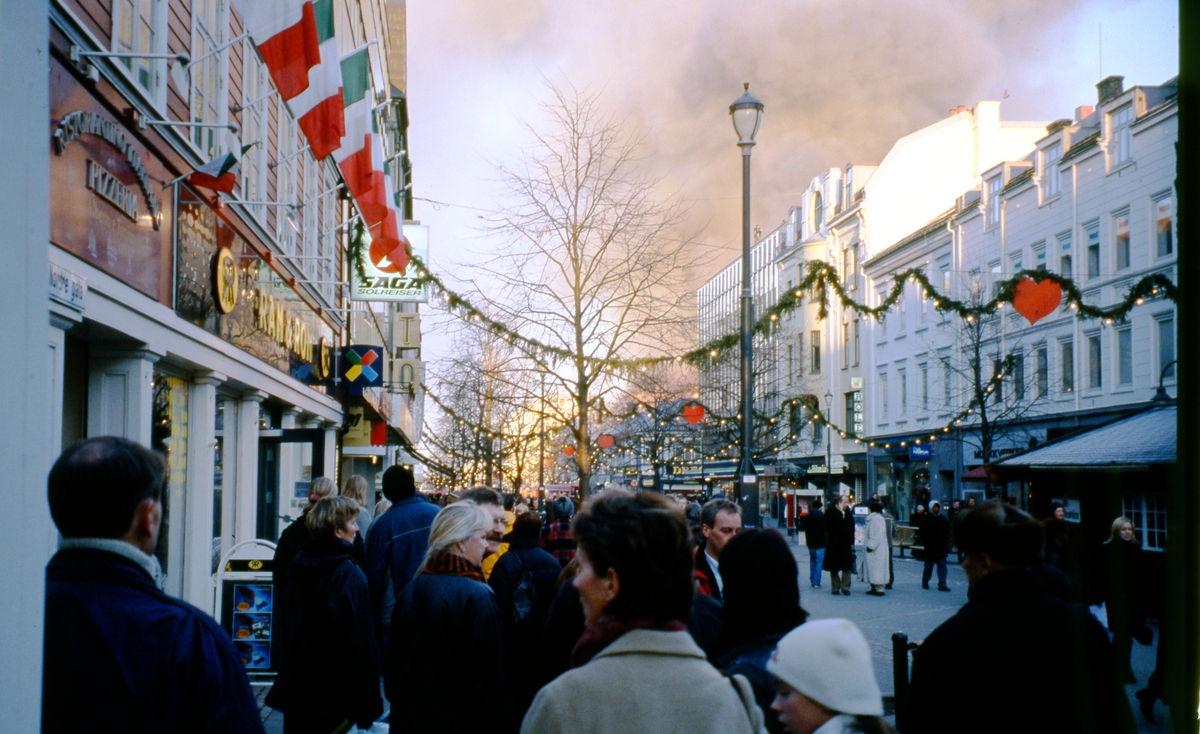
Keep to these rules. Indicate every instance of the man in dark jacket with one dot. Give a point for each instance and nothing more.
(816, 537)
(396, 543)
(120, 655)
(720, 520)
(1048, 662)
(936, 533)
(839, 551)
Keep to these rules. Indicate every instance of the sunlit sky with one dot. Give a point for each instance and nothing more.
(840, 81)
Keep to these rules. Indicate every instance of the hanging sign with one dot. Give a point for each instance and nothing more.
(361, 366)
(384, 281)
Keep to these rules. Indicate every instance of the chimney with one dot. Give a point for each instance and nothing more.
(1110, 88)
(1083, 111)
(962, 108)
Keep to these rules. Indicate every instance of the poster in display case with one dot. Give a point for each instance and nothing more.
(248, 616)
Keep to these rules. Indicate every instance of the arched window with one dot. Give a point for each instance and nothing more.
(818, 217)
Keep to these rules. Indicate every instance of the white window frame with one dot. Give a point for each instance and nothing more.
(1156, 203)
(210, 141)
(255, 120)
(1159, 362)
(1148, 513)
(1124, 354)
(1088, 244)
(1117, 217)
(994, 185)
(1052, 177)
(1094, 341)
(156, 68)
(1120, 131)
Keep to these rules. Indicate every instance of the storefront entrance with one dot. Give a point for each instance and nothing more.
(274, 500)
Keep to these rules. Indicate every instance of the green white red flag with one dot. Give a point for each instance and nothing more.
(220, 174)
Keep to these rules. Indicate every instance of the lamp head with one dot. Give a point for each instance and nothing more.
(746, 112)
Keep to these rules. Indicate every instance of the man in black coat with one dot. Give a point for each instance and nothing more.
(1046, 664)
(816, 537)
(120, 655)
(839, 551)
(935, 532)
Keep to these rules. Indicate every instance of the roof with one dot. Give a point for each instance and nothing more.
(1139, 441)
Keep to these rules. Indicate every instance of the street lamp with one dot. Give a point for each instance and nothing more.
(542, 448)
(828, 451)
(746, 112)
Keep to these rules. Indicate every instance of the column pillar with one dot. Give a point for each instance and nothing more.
(120, 397)
(289, 464)
(198, 501)
(245, 469)
(331, 467)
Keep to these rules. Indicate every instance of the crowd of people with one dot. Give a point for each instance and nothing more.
(616, 616)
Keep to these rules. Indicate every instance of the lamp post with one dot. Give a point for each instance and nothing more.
(542, 448)
(746, 112)
(828, 451)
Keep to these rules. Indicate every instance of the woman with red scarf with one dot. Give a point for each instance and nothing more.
(636, 668)
(446, 648)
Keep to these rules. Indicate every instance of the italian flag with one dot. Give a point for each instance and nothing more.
(318, 108)
(285, 32)
(360, 158)
(220, 174)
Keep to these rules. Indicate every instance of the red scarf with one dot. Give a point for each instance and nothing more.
(452, 564)
(605, 631)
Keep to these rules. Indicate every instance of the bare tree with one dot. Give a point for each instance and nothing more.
(591, 263)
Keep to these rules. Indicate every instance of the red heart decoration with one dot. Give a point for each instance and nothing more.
(693, 413)
(605, 441)
(569, 450)
(1035, 301)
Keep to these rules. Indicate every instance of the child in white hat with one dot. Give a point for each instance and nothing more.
(826, 681)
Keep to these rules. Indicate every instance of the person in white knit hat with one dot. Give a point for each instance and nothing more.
(826, 681)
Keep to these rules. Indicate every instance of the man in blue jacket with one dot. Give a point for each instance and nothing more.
(396, 543)
(120, 655)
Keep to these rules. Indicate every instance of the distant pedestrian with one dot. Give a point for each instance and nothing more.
(816, 537)
(381, 507)
(556, 537)
(636, 669)
(762, 604)
(396, 544)
(492, 502)
(875, 566)
(355, 487)
(1058, 540)
(329, 673)
(1125, 594)
(693, 520)
(1049, 661)
(839, 553)
(120, 655)
(446, 651)
(720, 520)
(826, 681)
(935, 533)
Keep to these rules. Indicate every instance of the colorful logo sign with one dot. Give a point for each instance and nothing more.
(225, 281)
(384, 281)
(362, 366)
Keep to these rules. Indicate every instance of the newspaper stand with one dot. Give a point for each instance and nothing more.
(245, 604)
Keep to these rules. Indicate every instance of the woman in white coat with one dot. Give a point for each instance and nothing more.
(876, 566)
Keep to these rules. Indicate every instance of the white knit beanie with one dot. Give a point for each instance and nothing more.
(829, 662)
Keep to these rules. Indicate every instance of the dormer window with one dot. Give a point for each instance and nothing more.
(993, 202)
(818, 217)
(1050, 173)
(1120, 122)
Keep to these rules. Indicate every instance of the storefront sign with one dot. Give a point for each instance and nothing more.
(361, 366)
(225, 280)
(277, 322)
(407, 373)
(383, 285)
(67, 288)
(406, 331)
(920, 452)
(100, 180)
(854, 406)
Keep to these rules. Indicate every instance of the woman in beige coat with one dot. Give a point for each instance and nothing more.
(636, 668)
(875, 569)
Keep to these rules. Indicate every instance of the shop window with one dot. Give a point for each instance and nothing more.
(169, 435)
(1148, 513)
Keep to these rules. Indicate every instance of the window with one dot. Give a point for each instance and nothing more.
(1016, 263)
(136, 26)
(845, 345)
(285, 180)
(1039, 256)
(815, 341)
(1064, 256)
(210, 23)
(1067, 352)
(944, 266)
(1125, 356)
(818, 216)
(857, 325)
(902, 387)
(818, 431)
(1018, 376)
(1095, 368)
(995, 277)
(1166, 347)
(1043, 371)
(1050, 173)
(998, 392)
(993, 201)
(849, 187)
(1121, 238)
(924, 368)
(1121, 140)
(1162, 225)
(254, 116)
(1092, 237)
(947, 379)
(791, 362)
(883, 397)
(1148, 513)
(902, 311)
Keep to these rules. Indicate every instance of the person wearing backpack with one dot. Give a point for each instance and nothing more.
(524, 580)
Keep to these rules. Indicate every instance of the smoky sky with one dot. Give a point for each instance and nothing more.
(841, 82)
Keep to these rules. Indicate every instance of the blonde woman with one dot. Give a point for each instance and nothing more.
(1125, 595)
(355, 487)
(446, 626)
(295, 537)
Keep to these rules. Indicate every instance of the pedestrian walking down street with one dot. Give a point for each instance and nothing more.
(1048, 662)
(839, 553)
(826, 681)
(121, 655)
(935, 532)
(1125, 594)
(816, 537)
(564, 627)
(762, 604)
(491, 502)
(556, 537)
(295, 537)
(1058, 540)
(355, 487)
(447, 637)
(720, 520)
(329, 672)
(875, 566)
(636, 669)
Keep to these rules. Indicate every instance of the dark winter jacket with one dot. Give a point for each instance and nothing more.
(839, 553)
(445, 649)
(1125, 587)
(123, 657)
(294, 539)
(564, 626)
(750, 659)
(557, 541)
(329, 664)
(816, 535)
(706, 580)
(1048, 664)
(935, 532)
(395, 547)
(704, 623)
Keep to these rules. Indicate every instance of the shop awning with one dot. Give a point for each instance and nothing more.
(978, 474)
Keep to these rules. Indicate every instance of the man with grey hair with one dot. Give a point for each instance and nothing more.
(720, 520)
